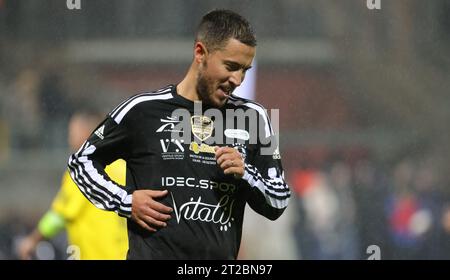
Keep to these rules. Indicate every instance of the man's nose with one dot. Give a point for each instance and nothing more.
(236, 78)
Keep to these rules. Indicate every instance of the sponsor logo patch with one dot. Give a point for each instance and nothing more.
(202, 148)
(202, 127)
(237, 133)
(99, 132)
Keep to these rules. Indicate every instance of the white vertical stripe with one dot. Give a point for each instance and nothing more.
(76, 176)
(261, 111)
(276, 203)
(109, 185)
(86, 166)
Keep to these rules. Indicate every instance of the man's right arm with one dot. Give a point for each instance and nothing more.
(110, 141)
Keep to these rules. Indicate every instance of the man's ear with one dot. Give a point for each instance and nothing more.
(200, 52)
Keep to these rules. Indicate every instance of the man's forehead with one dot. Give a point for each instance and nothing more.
(236, 51)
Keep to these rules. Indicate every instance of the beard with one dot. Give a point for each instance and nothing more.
(206, 89)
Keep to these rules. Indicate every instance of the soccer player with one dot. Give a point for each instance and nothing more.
(95, 234)
(185, 195)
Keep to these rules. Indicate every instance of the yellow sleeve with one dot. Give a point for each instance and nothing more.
(70, 201)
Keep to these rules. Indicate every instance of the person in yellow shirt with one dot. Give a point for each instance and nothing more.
(93, 234)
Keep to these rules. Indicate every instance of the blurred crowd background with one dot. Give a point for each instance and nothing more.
(363, 97)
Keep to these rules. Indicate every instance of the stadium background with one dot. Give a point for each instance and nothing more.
(363, 98)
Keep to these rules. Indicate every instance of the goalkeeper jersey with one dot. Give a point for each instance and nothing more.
(168, 144)
(98, 234)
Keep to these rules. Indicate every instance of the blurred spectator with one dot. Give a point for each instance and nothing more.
(21, 109)
(444, 245)
(326, 224)
(340, 177)
(413, 211)
(370, 192)
(55, 109)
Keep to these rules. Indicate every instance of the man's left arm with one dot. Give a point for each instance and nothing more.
(268, 193)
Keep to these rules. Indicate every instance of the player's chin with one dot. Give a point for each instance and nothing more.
(219, 101)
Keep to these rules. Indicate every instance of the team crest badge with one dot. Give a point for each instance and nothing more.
(202, 127)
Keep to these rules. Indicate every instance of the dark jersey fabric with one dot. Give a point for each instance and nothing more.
(208, 205)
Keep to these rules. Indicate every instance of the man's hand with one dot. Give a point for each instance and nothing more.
(147, 212)
(27, 246)
(230, 160)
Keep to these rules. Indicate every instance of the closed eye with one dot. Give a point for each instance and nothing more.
(234, 66)
(231, 66)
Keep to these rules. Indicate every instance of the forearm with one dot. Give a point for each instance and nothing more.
(49, 225)
(95, 184)
(268, 196)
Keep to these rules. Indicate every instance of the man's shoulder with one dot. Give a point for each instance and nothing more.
(246, 104)
(136, 102)
(249, 105)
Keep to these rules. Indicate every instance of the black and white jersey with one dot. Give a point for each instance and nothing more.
(208, 205)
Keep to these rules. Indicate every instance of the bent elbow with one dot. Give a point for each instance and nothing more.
(275, 213)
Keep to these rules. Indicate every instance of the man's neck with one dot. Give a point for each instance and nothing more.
(188, 86)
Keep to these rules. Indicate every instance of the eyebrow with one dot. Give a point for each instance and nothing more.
(233, 63)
